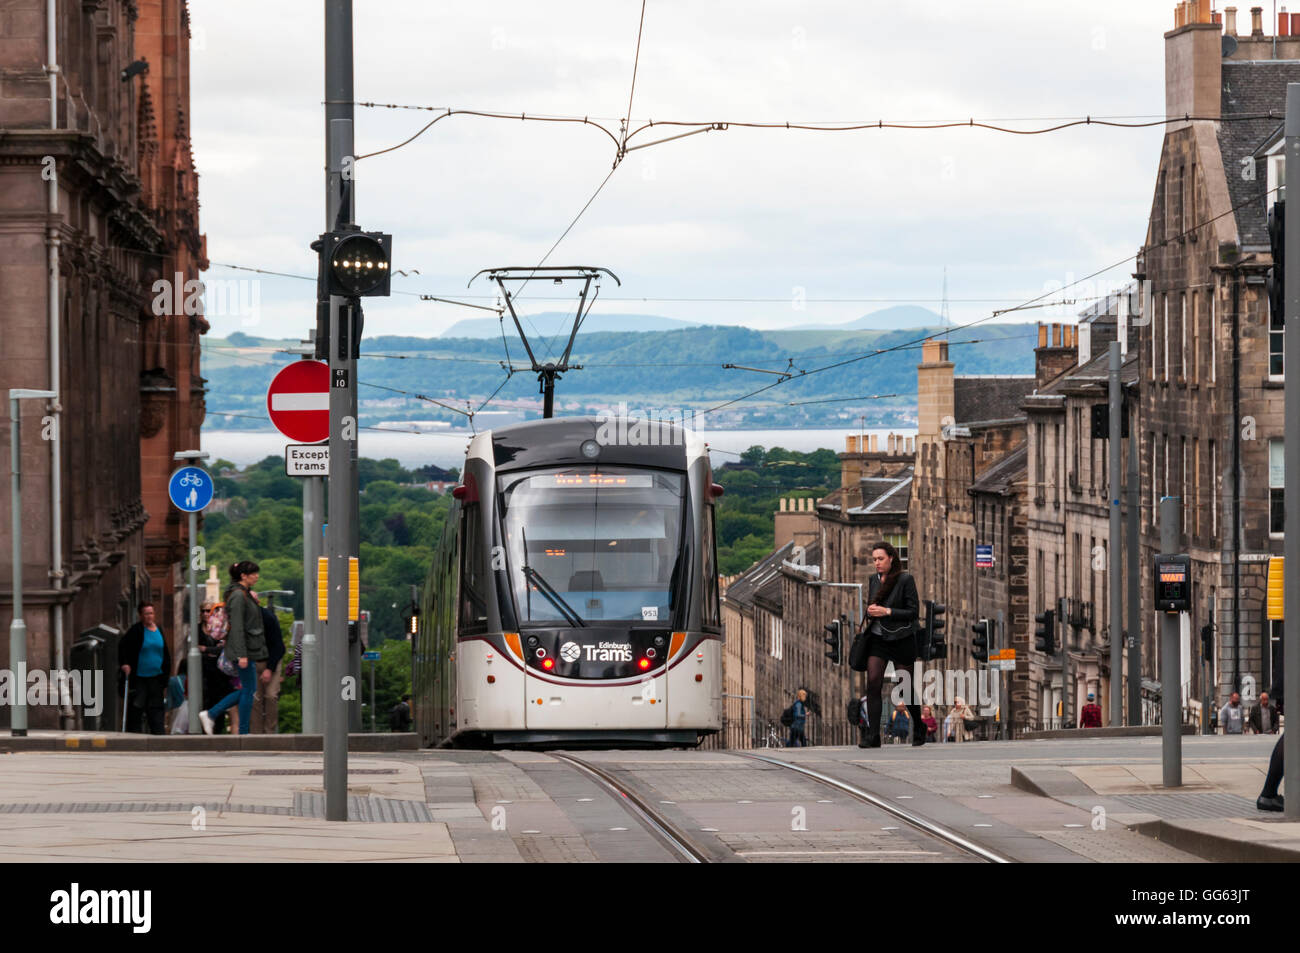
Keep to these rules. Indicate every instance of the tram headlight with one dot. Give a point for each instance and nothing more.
(590, 449)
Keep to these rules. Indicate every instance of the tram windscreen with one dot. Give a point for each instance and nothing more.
(594, 543)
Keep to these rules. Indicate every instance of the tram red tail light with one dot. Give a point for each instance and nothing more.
(548, 663)
(644, 663)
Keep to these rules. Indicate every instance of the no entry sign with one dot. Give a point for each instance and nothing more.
(298, 401)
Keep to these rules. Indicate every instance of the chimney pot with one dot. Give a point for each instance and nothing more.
(1042, 334)
(1283, 23)
(1230, 21)
(1256, 21)
(1203, 11)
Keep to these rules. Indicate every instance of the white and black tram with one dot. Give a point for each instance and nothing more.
(574, 596)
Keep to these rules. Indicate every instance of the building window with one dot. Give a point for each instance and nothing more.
(899, 542)
(1276, 337)
(1214, 335)
(1276, 485)
(1182, 334)
(1195, 370)
(1196, 486)
(1214, 490)
(1155, 474)
(1164, 361)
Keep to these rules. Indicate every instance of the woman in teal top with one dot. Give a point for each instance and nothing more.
(145, 661)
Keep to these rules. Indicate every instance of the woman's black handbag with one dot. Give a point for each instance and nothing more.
(970, 723)
(858, 652)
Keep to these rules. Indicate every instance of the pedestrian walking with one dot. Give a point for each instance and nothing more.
(145, 661)
(892, 611)
(900, 725)
(961, 721)
(399, 719)
(266, 699)
(1263, 716)
(1090, 717)
(1269, 799)
(799, 720)
(1232, 716)
(931, 726)
(245, 646)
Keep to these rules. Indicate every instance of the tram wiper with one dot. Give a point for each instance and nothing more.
(531, 575)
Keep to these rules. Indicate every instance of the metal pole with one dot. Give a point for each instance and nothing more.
(310, 670)
(194, 660)
(373, 729)
(1114, 450)
(1236, 480)
(1171, 514)
(1004, 698)
(1206, 672)
(17, 627)
(1067, 690)
(1291, 462)
(342, 476)
(1134, 568)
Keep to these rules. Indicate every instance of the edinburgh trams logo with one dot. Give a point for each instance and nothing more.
(570, 651)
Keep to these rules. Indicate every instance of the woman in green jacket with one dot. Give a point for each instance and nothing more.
(245, 646)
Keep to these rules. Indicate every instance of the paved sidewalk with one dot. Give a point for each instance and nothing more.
(1213, 814)
(210, 807)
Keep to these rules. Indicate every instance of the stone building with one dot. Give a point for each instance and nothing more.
(967, 493)
(1068, 521)
(96, 178)
(1209, 359)
(775, 613)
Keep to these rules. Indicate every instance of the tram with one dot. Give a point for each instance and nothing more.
(573, 599)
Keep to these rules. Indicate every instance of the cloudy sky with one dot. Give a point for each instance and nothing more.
(872, 216)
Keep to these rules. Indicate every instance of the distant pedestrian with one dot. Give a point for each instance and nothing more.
(399, 719)
(1263, 716)
(1232, 716)
(145, 660)
(266, 699)
(900, 725)
(799, 711)
(892, 612)
(961, 722)
(1269, 799)
(245, 646)
(1090, 717)
(931, 726)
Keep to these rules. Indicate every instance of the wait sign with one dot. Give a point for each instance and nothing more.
(307, 460)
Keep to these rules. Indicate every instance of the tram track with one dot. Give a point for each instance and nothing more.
(650, 818)
(916, 821)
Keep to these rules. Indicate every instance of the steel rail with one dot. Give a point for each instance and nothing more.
(915, 820)
(652, 820)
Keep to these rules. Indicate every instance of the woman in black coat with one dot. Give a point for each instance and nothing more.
(892, 610)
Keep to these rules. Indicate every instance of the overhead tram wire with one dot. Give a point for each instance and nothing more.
(877, 353)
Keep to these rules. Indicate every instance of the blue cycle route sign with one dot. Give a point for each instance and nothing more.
(190, 489)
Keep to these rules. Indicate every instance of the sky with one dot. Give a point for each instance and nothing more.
(789, 217)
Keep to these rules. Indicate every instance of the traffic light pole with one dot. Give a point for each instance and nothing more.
(1171, 513)
(1116, 544)
(1067, 687)
(1134, 584)
(343, 500)
(1291, 462)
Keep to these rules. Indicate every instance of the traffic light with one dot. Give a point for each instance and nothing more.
(1045, 633)
(934, 626)
(412, 617)
(357, 264)
(1207, 641)
(980, 644)
(1276, 240)
(835, 627)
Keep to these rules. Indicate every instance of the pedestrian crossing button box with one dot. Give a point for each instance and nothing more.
(1173, 575)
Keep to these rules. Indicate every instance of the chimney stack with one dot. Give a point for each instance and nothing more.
(1230, 21)
(1257, 22)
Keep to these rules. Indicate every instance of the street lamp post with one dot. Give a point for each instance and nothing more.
(18, 626)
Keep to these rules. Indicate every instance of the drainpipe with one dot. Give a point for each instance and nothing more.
(66, 716)
(1236, 481)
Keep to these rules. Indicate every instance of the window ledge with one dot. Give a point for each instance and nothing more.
(1274, 383)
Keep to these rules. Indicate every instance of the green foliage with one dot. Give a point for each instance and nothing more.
(754, 487)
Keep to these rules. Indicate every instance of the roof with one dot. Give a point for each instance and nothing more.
(1251, 87)
(872, 496)
(1095, 372)
(748, 584)
(1001, 477)
(989, 398)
